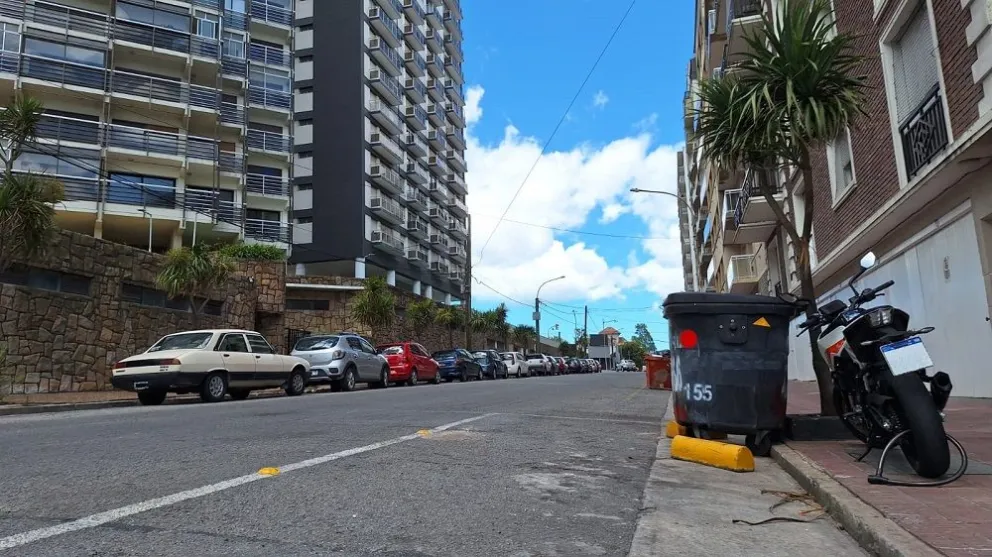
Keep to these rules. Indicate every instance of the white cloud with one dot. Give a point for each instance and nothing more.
(565, 189)
(600, 99)
(647, 123)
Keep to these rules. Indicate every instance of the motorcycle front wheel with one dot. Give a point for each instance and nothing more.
(926, 446)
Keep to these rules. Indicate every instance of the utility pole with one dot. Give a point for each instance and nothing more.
(537, 324)
(467, 285)
(585, 332)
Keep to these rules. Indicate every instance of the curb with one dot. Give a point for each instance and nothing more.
(66, 407)
(875, 532)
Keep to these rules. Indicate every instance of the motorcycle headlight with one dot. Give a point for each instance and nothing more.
(880, 317)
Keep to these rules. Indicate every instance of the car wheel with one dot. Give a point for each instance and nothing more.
(437, 377)
(214, 387)
(297, 383)
(413, 378)
(464, 376)
(348, 379)
(151, 398)
(239, 394)
(383, 381)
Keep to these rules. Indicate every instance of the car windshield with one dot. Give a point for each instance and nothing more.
(508, 357)
(391, 350)
(445, 355)
(316, 343)
(182, 341)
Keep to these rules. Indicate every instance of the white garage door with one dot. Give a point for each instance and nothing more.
(939, 283)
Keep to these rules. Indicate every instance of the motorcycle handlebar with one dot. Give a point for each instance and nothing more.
(884, 285)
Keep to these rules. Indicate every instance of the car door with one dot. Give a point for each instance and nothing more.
(360, 357)
(269, 368)
(425, 363)
(372, 356)
(237, 359)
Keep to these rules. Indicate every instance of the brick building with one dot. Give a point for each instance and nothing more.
(912, 181)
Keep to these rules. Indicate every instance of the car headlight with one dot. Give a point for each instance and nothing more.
(880, 317)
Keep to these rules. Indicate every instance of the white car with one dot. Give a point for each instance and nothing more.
(213, 363)
(516, 364)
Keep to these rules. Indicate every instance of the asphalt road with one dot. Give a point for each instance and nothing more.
(522, 467)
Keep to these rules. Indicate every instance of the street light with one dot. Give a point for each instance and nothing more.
(537, 311)
(692, 234)
(609, 338)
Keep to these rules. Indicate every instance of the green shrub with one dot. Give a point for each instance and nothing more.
(253, 252)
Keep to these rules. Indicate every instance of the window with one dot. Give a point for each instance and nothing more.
(45, 279)
(259, 345)
(265, 170)
(367, 348)
(233, 45)
(308, 305)
(158, 17)
(67, 163)
(145, 296)
(233, 343)
(840, 162)
(10, 38)
(235, 6)
(207, 24)
(135, 189)
(304, 220)
(270, 78)
(915, 64)
(261, 214)
(67, 52)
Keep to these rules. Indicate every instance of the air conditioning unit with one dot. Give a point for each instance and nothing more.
(375, 74)
(375, 12)
(376, 203)
(375, 43)
(378, 237)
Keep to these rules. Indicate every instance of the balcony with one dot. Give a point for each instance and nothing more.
(456, 183)
(269, 142)
(387, 209)
(260, 184)
(438, 215)
(269, 99)
(126, 192)
(80, 189)
(146, 142)
(65, 18)
(415, 64)
(414, 38)
(385, 116)
(393, 8)
(440, 267)
(438, 193)
(454, 49)
(415, 172)
(231, 162)
(457, 251)
(435, 64)
(414, 10)
(752, 206)
(267, 230)
(434, 14)
(435, 137)
(269, 55)
(387, 241)
(418, 257)
(456, 136)
(271, 15)
(415, 198)
(456, 275)
(233, 67)
(435, 89)
(385, 177)
(386, 85)
(454, 70)
(457, 229)
(233, 21)
(457, 206)
(416, 226)
(454, 91)
(56, 73)
(437, 165)
(69, 130)
(924, 134)
(440, 241)
(435, 113)
(159, 39)
(385, 26)
(415, 144)
(231, 114)
(385, 56)
(455, 113)
(454, 7)
(203, 201)
(415, 89)
(433, 40)
(453, 25)
(742, 274)
(456, 160)
(385, 147)
(743, 19)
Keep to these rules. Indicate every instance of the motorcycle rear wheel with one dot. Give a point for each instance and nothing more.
(926, 446)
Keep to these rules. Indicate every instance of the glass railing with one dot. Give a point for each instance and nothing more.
(63, 72)
(149, 141)
(742, 268)
(166, 90)
(126, 192)
(60, 128)
(58, 15)
(267, 230)
(267, 185)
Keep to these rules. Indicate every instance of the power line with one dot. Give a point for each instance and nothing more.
(561, 121)
(571, 231)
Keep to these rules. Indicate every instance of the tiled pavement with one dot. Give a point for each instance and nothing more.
(955, 519)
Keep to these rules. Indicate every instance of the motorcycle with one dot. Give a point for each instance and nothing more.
(878, 365)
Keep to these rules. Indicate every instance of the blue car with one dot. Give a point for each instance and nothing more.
(457, 364)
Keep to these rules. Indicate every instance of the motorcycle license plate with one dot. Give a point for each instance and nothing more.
(906, 356)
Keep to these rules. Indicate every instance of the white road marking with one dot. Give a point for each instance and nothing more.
(100, 519)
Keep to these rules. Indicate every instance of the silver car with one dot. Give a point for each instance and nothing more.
(342, 360)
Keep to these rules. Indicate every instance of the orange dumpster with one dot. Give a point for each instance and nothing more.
(659, 372)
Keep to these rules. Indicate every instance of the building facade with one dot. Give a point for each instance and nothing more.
(908, 182)
(166, 121)
(379, 174)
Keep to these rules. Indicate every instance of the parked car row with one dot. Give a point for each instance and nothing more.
(221, 362)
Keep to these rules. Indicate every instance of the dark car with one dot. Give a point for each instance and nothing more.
(574, 366)
(490, 367)
(457, 363)
(499, 370)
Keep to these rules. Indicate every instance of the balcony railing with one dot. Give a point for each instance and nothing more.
(148, 141)
(268, 141)
(57, 15)
(267, 230)
(158, 37)
(414, 196)
(235, 21)
(415, 38)
(267, 185)
(388, 239)
(166, 90)
(234, 66)
(742, 8)
(230, 162)
(231, 113)
(742, 269)
(209, 204)
(389, 206)
(269, 98)
(750, 189)
(457, 227)
(271, 14)
(265, 54)
(66, 73)
(387, 54)
(924, 134)
(60, 128)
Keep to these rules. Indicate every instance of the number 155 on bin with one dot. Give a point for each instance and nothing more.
(698, 392)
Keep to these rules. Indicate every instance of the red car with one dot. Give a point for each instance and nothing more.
(409, 363)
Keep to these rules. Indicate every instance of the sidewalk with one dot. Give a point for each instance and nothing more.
(955, 519)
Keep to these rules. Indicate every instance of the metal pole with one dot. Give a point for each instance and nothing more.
(195, 220)
(537, 312)
(151, 225)
(692, 231)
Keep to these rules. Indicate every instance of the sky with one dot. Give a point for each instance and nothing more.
(574, 216)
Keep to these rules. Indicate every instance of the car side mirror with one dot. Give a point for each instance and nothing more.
(868, 261)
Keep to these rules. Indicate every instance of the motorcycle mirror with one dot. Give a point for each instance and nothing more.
(868, 261)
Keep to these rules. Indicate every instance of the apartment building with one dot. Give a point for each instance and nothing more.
(167, 121)
(379, 150)
(909, 182)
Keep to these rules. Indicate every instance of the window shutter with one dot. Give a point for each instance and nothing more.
(915, 65)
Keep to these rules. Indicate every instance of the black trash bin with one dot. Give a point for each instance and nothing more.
(730, 364)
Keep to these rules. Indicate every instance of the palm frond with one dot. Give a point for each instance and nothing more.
(27, 215)
(375, 306)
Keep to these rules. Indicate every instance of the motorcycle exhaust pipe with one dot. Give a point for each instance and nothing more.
(940, 389)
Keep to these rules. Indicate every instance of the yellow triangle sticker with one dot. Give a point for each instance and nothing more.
(761, 322)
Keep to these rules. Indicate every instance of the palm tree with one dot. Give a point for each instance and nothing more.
(375, 306)
(449, 317)
(795, 89)
(501, 329)
(420, 315)
(27, 200)
(523, 335)
(194, 273)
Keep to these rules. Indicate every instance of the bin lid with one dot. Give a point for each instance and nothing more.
(714, 302)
